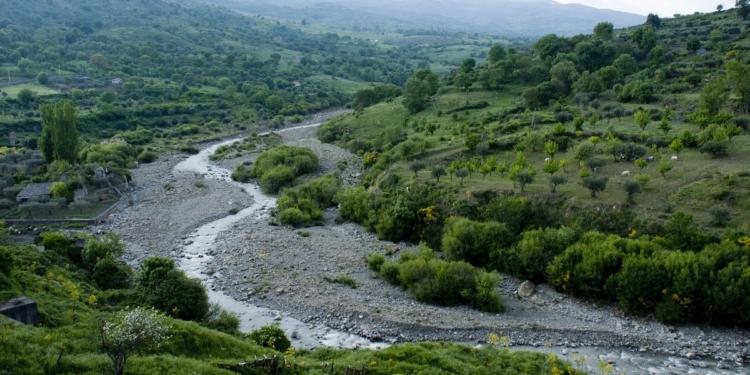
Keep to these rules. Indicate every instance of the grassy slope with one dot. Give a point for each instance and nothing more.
(696, 183)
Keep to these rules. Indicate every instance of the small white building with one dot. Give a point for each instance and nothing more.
(117, 81)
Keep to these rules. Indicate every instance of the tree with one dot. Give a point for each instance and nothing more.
(59, 134)
(743, 8)
(416, 167)
(25, 64)
(593, 119)
(271, 336)
(664, 126)
(467, 65)
(430, 78)
(563, 164)
(131, 332)
(641, 163)
(415, 94)
(714, 95)
(463, 81)
(496, 53)
(99, 61)
(646, 38)
(625, 65)
(604, 31)
(595, 163)
(632, 188)
(534, 140)
(578, 122)
(716, 149)
(42, 78)
(595, 184)
(438, 171)
(720, 215)
(665, 166)
(551, 167)
(738, 77)
(275, 59)
(676, 146)
(693, 44)
(588, 83)
(524, 178)
(642, 118)
(557, 180)
(471, 142)
(550, 149)
(584, 151)
(462, 173)
(653, 20)
(719, 8)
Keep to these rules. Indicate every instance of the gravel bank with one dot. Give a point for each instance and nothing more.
(278, 268)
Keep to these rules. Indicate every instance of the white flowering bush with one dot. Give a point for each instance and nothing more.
(131, 332)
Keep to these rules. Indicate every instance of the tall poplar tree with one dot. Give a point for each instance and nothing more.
(59, 140)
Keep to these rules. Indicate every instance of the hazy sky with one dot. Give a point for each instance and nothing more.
(664, 8)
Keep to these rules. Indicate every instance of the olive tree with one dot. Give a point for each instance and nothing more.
(131, 332)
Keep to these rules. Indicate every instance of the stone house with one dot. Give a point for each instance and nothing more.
(34, 192)
(22, 309)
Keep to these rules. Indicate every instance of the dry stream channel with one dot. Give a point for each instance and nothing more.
(196, 257)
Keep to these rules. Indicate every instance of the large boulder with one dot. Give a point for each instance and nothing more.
(526, 289)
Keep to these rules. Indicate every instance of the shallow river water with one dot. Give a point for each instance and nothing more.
(201, 243)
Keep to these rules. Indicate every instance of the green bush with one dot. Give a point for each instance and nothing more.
(271, 336)
(241, 174)
(7, 259)
(353, 204)
(389, 271)
(293, 216)
(343, 280)
(274, 179)
(221, 320)
(473, 241)
(147, 157)
(177, 295)
(303, 205)
(484, 296)
(375, 262)
(110, 274)
(583, 269)
(301, 160)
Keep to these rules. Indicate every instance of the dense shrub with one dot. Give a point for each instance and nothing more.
(271, 336)
(241, 174)
(473, 241)
(7, 258)
(301, 160)
(166, 288)
(431, 280)
(375, 262)
(147, 157)
(276, 178)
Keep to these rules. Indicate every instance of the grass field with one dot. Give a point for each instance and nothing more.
(35, 87)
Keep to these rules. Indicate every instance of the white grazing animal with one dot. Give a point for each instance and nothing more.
(546, 160)
(674, 158)
(626, 173)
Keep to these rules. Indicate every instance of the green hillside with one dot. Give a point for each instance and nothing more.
(77, 300)
(180, 64)
(636, 134)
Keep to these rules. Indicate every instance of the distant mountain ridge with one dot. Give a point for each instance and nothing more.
(530, 18)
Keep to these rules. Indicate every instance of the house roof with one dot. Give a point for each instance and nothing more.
(35, 190)
(9, 304)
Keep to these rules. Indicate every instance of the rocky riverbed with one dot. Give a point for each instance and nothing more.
(285, 269)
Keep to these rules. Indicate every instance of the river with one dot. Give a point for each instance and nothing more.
(201, 244)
